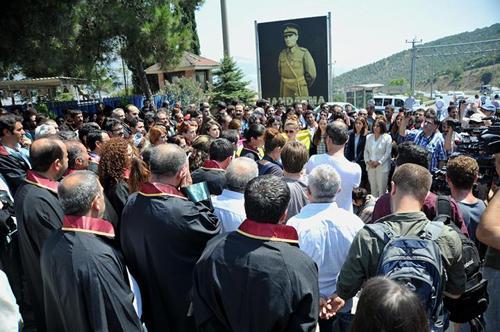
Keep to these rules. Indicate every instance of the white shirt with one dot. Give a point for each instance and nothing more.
(325, 234)
(229, 207)
(379, 150)
(350, 176)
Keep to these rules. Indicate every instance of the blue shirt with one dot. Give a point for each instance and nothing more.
(433, 144)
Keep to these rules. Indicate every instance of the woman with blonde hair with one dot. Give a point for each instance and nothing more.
(291, 128)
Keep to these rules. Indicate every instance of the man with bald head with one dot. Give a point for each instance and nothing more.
(80, 259)
(78, 156)
(162, 236)
(39, 213)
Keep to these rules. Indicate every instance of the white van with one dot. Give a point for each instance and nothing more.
(381, 101)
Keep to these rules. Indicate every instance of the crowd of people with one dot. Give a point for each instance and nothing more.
(237, 217)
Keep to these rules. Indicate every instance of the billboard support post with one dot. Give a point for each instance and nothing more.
(258, 59)
(330, 64)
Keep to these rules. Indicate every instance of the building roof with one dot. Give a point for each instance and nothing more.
(188, 61)
(367, 86)
(41, 82)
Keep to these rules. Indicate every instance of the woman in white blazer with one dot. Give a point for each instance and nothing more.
(378, 157)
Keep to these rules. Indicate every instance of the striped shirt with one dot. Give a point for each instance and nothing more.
(433, 144)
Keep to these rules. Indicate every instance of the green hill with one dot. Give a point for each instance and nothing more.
(397, 66)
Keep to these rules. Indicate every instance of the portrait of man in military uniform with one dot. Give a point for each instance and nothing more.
(296, 66)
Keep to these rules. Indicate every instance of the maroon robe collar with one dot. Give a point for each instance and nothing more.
(40, 181)
(3, 151)
(88, 225)
(160, 189)
(212, 165)
(268, 232)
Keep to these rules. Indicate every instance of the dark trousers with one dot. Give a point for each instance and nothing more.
(340, 323)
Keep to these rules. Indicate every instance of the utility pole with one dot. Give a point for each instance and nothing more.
(413, 62)
(432, 79)
(225, 36)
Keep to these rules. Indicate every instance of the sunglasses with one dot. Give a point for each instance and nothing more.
(289, 131)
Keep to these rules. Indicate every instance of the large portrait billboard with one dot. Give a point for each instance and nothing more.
(293, 59)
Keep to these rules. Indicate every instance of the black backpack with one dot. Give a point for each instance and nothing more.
(474, 301)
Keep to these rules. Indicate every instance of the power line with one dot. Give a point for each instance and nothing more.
(413, 42)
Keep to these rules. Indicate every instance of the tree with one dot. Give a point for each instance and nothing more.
(76, 37)
(397, 82)
(186, 91)
(188, 7)
(142, 31)
(229, 84)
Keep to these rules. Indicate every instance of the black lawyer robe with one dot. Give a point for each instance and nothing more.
(256, 279)
(109, 211)
(213, 175)
(162, 236)
(85, 279)
(38, 214)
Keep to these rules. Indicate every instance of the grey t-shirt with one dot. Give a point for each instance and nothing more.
(472, 214)
(298, 196)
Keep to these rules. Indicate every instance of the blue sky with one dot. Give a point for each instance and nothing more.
(362, 31)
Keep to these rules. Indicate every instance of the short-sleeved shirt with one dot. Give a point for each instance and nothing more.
(350, 176)
(472, 214)
(366, 250)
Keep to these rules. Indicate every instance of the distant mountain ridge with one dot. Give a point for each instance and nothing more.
(397, 66)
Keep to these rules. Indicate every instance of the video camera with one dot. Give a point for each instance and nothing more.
(481, 144)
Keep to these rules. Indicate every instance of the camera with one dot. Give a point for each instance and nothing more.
(478, 143)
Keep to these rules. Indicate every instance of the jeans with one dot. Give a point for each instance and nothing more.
(492, 315)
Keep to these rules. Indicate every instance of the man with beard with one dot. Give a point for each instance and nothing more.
(39, 213)
(79, 160)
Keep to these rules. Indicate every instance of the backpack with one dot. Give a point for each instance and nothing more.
(474, 301)
(415, 261)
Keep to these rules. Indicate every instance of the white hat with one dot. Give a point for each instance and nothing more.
(476, 117)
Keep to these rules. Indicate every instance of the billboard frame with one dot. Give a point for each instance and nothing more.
(329, 54)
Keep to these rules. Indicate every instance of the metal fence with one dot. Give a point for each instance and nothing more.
(90, 106)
